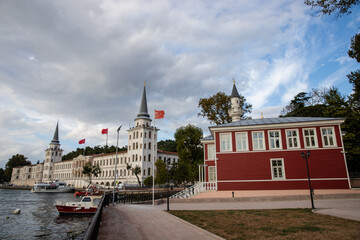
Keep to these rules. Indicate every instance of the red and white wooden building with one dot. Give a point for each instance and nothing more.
(265, 154)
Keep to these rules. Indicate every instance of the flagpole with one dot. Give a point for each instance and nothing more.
(107, 135)
(153, 160)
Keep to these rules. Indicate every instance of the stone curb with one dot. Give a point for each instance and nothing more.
(264, 198)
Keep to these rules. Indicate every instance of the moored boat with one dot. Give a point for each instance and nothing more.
(87, 205)
(52, 187)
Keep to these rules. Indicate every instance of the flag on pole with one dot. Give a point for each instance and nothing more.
(159, 114)
(82, 141)
(104, 131)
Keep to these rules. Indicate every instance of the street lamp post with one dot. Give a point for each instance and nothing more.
(306, 156)
(167, 168)
(116, 158)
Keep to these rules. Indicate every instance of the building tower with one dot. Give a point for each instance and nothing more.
(52, 155)
(142, 142)
(236, 111)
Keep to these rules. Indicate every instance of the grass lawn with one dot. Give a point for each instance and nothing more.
(272, 224)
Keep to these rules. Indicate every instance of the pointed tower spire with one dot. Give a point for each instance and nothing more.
(56, 134)
(143, 112)
(236, 111)
(234, 92)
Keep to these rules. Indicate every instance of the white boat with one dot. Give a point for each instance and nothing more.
(87, 205)
(52, 187)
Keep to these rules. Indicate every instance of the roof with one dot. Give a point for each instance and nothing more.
(235, 92)
(56, 135)
(143, 111)
(207, 138)
(269, 121)
(166, 152)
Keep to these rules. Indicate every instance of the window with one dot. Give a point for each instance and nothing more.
(225, 142)
(212, 174)
(310, 137)
(275, 139)
(211, 151)
(292, 138)
(277, 167)
(241, 141)
(328, 137)
(258, 140)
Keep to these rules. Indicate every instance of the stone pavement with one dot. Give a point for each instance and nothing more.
(146, 222)
(152, 222)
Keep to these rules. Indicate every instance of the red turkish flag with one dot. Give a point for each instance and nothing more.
(82, 141)
(159, 114)
(104, 131)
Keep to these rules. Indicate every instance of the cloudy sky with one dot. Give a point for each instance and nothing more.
(84, 63)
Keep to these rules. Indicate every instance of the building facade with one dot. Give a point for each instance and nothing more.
(265, 154)
(142, 151)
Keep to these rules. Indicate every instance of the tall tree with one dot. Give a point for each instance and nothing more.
(136, 170)
(161, 172)
(189, 148)
(17, 160)
(216, 108)
(89, 170)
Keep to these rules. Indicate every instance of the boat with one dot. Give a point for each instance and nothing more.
(52, 187)
(87, 205)
(91, 190)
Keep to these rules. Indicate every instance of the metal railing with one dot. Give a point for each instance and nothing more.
(195, 189)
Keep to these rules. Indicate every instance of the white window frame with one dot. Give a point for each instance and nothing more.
(212, 174)
(292, 138)
(230, 142)
(275, 139)
(332, 135)
(246, 148)
(262, 139)
(282, 168)
(315, 138)
(211, 149)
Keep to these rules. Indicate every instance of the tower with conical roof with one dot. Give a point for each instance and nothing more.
(142, 139)
(52, 155)
(236, 111)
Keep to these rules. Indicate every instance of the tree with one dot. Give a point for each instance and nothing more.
(17, 160)
(90, 170)
(148, 181)
(216, 108)
(327, 7)
(189, 148)
(161, 172)
(136, 170)
(2, 175)
(167, 145)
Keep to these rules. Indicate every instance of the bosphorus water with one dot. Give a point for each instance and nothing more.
(39, 218)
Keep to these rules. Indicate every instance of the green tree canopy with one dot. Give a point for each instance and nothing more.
(90, 170)
(167, 145)
(91, 150)
(17, 160)
(327, 7)
(216, 108)
(136, 170)
(189, 148)
(161, 172)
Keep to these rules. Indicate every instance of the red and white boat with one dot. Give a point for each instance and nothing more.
(87, 205)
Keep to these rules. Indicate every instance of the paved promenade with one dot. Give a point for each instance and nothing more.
(145, 222)
(152, 222)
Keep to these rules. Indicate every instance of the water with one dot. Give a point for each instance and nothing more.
(39, 218)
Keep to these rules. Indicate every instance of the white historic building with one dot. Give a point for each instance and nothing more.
(142, 151)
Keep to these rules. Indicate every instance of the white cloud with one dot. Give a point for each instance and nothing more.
(84, 63)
